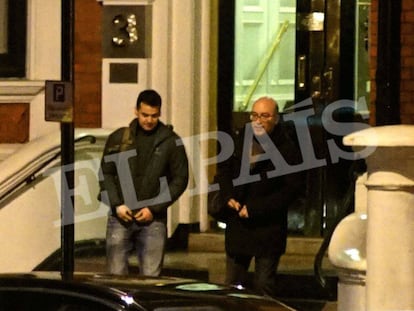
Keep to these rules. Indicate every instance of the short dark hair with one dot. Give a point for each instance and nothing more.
(150, 97)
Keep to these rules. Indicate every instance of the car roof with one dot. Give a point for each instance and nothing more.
(148, 292)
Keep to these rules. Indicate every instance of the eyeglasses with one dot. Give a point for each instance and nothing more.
(263, 116)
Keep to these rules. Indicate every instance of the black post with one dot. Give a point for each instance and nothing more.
(67, 147)
(388, 63)
(225, 80)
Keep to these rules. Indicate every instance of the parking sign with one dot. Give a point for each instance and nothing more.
(59, 101)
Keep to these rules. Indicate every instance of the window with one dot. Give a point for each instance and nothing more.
(261, 65)
(13, 15)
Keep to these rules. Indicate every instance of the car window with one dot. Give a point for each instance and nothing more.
(40, 299)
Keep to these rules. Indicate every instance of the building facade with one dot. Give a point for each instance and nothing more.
(183, 49)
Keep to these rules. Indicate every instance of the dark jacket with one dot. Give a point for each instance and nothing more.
(267, 200)
(167, 161)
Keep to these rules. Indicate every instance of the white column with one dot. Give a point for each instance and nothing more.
(179, 71)
(390, 230)
(160, 62)
(204, 111)
(183, 86)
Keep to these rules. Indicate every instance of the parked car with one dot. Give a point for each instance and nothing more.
(87, 291)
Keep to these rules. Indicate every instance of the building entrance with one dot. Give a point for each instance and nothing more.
(311, 56)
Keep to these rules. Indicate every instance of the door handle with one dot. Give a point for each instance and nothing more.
(301, 72)
(316, 87)
(328, 82)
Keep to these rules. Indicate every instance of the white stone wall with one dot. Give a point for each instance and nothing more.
(179, 70)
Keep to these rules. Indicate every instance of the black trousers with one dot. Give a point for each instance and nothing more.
(264, 281)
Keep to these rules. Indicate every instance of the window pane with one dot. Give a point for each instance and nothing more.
(264, 51)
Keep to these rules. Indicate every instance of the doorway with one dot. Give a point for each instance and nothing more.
(312, 52)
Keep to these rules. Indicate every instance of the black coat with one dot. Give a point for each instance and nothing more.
(267, 199)
(166, 160)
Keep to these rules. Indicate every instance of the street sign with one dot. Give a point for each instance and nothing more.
(59, 101)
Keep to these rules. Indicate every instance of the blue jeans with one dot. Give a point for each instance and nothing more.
(148, 240)
(264, 275)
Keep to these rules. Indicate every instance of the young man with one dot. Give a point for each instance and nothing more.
(144, 170)
(258, 195)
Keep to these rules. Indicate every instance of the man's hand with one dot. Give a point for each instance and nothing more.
(242, 210)
(233, 204)
(144, 215)
(124, 213)
(243, 213)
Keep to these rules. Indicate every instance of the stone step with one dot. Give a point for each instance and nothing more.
(207, 250)
(210, 265)
(214, 242)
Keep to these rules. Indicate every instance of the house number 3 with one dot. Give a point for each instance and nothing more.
(126, 26)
